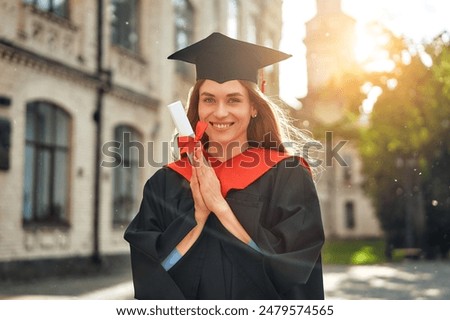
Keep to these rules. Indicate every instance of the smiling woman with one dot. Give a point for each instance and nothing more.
(241, 219)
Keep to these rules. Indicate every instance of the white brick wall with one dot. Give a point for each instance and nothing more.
(72, 45)
(79, 101)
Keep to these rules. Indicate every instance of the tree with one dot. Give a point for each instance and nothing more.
(437, 150)
(404, 143)
(405, 151)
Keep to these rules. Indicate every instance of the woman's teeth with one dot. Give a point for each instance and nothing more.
(221, 125)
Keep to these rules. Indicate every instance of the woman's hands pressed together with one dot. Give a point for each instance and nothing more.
(205, 186)
(208, 198)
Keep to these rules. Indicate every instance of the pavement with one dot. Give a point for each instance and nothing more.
(408, 280)
(113, 284)
(394, 281)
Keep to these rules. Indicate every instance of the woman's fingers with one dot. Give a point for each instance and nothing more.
(197, 157)
(208, 183)
(201, 210)
(195, 188)
(205, 174)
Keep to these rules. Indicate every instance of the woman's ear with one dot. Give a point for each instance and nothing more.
(253, 111)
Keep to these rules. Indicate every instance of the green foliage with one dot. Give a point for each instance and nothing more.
(405, 145)
(354, 252)
(365, 255)
(410, 123)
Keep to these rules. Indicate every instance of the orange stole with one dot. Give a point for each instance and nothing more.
(240, 171)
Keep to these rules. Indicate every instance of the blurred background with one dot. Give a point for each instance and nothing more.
(369, 79)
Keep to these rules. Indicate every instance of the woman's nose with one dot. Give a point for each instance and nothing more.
(221, 110)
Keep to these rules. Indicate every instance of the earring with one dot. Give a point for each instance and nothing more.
(254, 115)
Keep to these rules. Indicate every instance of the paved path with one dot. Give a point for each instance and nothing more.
(407, 280)
(114, 285)
(399, 281)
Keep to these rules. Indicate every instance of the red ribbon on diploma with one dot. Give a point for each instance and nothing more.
(187, 144)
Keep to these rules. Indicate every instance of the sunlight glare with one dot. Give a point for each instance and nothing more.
(369, 49)
(391, 83)
(293, 74)
(425, 57)
(372, 97)
(365, 45)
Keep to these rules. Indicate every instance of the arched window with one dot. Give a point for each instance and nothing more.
(46, 177)
(125, 24)
(184, 29)
(126, 178)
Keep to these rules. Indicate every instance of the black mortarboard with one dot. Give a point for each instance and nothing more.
(221, 58)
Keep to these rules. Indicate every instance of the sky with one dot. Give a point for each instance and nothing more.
(418, 20)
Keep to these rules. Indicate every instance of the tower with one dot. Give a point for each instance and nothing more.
(330, 39)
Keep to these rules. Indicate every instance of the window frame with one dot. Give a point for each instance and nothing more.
(350, 217)
(128, 166)
(53, 149)
(135, 48)
(188, 17)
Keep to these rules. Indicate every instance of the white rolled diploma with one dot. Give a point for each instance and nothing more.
(180, 119)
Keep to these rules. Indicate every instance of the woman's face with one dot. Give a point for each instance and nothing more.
(227, 109)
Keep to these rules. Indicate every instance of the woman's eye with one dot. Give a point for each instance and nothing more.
(234, 100)
(208, 100)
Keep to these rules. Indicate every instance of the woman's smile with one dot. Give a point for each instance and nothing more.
(221, 125)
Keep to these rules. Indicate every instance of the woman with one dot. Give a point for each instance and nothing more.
(242, 221)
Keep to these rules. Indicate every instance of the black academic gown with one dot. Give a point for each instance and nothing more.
(280, 211)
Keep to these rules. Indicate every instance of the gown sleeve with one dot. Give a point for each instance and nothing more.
(287, 227)
(163, 220)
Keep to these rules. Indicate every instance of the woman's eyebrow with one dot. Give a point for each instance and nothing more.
(233, 94)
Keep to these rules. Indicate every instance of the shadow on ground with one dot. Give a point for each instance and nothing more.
(397, 281)
(408, 280)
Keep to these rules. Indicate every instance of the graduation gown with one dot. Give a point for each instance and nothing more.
(279, 210)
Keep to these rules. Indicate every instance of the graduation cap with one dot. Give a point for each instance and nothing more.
(221, 58)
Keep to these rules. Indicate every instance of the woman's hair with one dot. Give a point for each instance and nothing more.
(270, 129)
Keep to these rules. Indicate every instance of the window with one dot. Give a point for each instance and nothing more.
(57, 7)
(46, 164)
(349, 215)
(184, 26)
(347, 170)
(124, 24)
(233, 19)
(5, 143)
(126, 175)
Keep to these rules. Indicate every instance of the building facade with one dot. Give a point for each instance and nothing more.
(82, 114)
(330, 40)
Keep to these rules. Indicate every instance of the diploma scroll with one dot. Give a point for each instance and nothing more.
(180, 119)
(181, 122)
